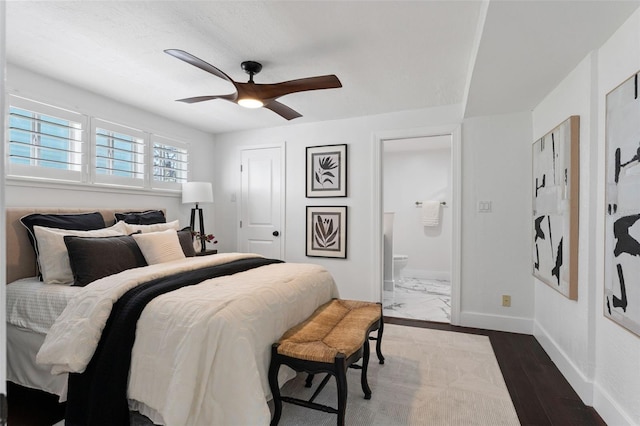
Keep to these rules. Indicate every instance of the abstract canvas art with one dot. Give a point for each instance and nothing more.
(326, 171)
(555, 207)
(622, 245)
(327, 231)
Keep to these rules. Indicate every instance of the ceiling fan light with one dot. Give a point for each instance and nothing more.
(250, 103)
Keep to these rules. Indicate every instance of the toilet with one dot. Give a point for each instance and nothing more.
(399, 262)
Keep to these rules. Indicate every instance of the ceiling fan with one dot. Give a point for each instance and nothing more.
(254, 95)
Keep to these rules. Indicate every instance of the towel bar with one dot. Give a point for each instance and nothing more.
(419, 203)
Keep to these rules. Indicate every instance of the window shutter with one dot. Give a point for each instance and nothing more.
(170, 162)
(51, 143)
(45, 141)
(118, 154)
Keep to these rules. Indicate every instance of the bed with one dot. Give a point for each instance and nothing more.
(201, 352)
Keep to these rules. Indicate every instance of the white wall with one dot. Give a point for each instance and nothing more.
(25, 194)
(617, 378)
(495, 247)
(411, 176)
(600, 359)
(354, 275)
(564, 327)
(496, 167)
(3, 239)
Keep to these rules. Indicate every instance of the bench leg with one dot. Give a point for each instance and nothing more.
(274, 367)
(341, 384)
(365, 363)
(379, 341)
(309, 381)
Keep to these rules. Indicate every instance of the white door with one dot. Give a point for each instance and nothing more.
(261, 203)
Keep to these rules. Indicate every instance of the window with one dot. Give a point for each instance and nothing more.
(118, 154)
(53, 143)
(170, 161)
(45, 141)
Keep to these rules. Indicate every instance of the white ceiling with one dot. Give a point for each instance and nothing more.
(390, 56)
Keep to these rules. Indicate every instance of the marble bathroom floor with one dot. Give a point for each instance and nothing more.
(419, 298)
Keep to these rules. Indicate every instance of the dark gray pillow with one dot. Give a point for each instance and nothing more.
(148, 217)
(92, 258)
(75, 222)
(186, 242)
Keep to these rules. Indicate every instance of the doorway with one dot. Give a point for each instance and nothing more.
(415, 169)
(417, 228)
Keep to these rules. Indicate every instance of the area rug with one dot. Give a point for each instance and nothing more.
(430, 377)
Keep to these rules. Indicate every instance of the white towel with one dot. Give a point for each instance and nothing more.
(431, 213)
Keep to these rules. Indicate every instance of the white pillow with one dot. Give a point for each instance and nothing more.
(119, 226)
(53, 257)
(156, 227)
(160, 247)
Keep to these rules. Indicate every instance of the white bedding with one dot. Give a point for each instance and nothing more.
(22, 369)
(33, 305)
(201, 352)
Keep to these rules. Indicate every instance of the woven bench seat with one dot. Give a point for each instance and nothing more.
(331, 340)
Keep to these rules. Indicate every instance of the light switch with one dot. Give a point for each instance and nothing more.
(484, 206)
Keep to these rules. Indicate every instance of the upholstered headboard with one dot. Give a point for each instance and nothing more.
(21, 259)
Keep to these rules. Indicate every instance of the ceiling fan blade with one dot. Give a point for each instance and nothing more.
(230, 97)
(273, 91)
(197, 62)
(282, 110)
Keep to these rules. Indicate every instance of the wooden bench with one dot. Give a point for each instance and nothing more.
(330, 341)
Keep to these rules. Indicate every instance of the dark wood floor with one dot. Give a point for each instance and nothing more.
(540, 394)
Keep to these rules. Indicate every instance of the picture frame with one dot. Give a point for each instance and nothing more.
(326, 234)
(555, 202)
(326, 171)
(622, 206)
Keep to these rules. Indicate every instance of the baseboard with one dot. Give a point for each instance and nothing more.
(608, 409)
(496, 322)
(576, 378)
(427, 275)
(589, 391)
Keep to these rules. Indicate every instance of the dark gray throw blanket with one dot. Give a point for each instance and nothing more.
(99, 395)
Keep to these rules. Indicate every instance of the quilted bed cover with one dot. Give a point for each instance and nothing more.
(202, 352)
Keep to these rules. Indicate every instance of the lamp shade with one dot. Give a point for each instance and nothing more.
(197, 192)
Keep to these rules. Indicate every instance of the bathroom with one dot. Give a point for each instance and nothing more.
(417, 228)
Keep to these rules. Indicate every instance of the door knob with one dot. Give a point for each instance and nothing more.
(275, 233)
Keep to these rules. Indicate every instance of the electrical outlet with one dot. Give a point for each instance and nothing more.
(506, 300)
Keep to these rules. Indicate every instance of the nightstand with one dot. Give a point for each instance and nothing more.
(206, 252)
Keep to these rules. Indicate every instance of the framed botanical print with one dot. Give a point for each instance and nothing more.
(622, 208)
(326, 171)
(327, 231)
(555, 207)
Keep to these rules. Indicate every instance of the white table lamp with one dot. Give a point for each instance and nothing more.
(197, 192)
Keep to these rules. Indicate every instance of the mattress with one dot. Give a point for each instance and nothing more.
(33, 305)
(32, 308)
